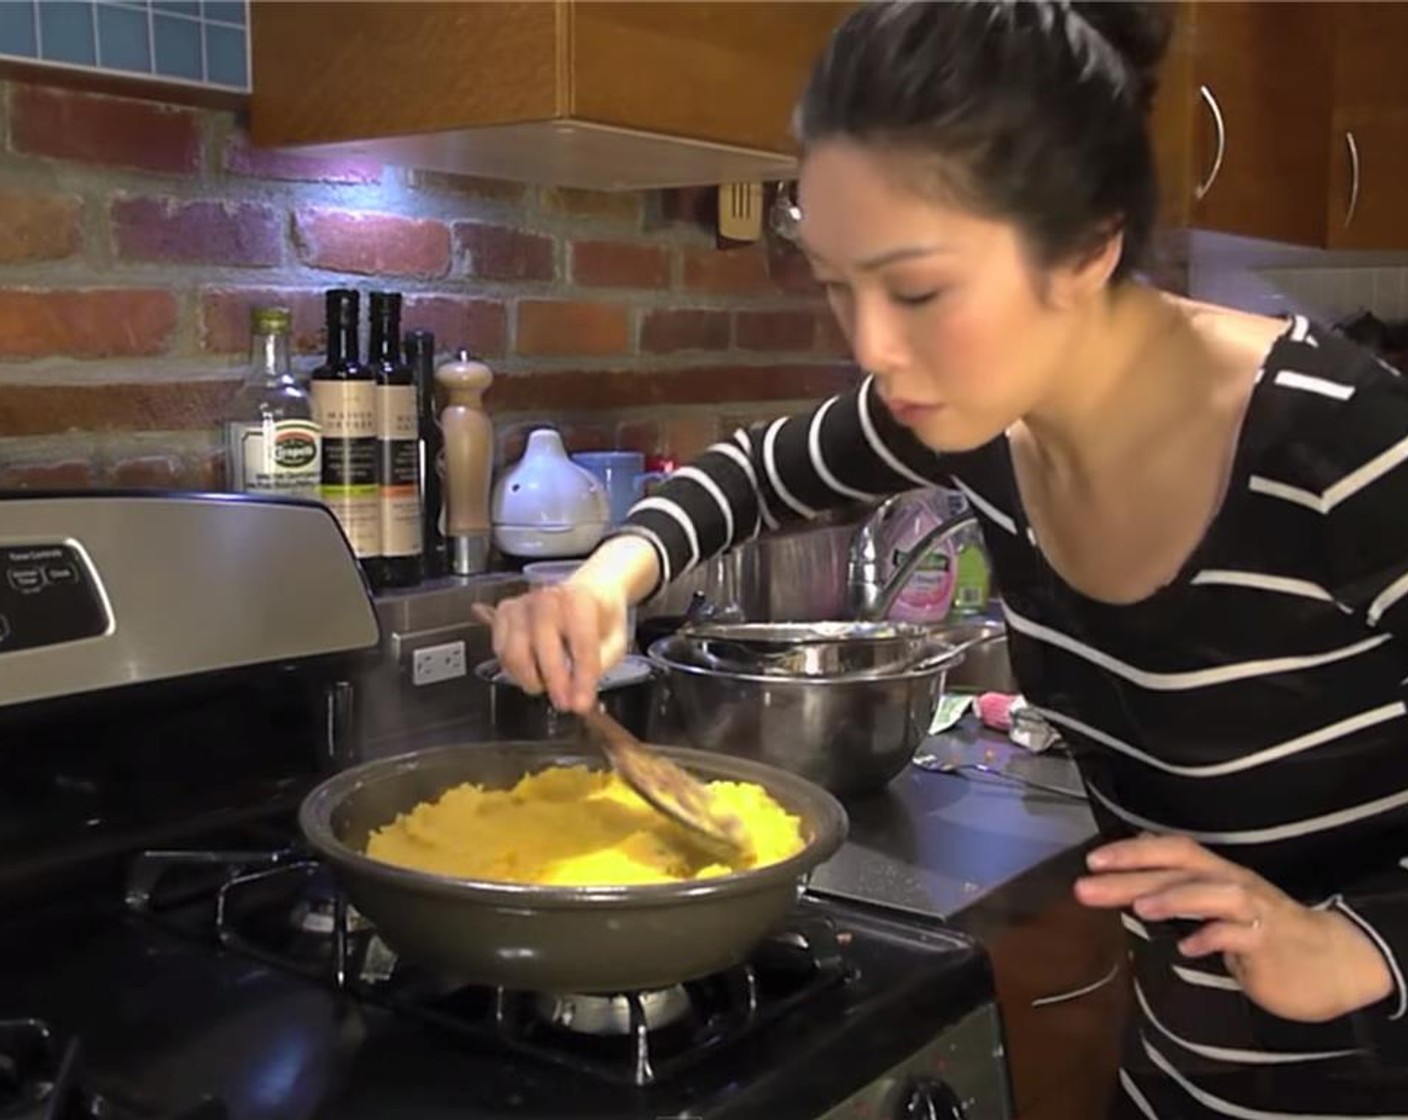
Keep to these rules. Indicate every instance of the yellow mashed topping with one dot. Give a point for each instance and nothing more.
(570, 826)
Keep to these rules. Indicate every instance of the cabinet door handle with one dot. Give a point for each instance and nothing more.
(1353, 146)
(1083, 990)
(1210, 100)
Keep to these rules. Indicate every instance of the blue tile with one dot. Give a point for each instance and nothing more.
(132, 4)
(224, 56)
(226, 11)
(178, 7)
(66, 31)
(177, 47)
(123, 42)
(17, 30)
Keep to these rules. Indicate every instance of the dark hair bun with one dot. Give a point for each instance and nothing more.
(1138, 31)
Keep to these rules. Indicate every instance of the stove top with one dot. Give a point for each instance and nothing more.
(39, 1080)
(237, 984)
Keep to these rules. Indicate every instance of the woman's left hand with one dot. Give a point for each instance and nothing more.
(1295, 962)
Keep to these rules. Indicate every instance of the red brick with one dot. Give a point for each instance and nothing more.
(224, 317)
(480, 325)
(732, 271)
(71, 474)
(164, 229)
(204, 472)
(687, 435)
(615, 264)
(374, 244)
(694, 206)
(505, 253)
(639, 435)
(572, 202)
(789, 270)
(117, 131)
(468, 186)
(35, 409)
(587, 389)
(510, 441)
(730, 422)
(581, 436)
(243, 158)
(830, 339)
(776, 330)
(39, 227)
(680, 435)
(669, 330)
(147, 472)
(85, 323)
(562, 327)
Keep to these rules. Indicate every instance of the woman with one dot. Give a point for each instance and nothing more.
(1199, 519)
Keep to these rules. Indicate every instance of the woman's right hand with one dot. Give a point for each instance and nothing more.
(560, 639)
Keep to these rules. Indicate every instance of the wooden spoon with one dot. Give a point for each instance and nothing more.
(669, 788)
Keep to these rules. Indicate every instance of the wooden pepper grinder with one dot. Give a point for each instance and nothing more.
(469, 460)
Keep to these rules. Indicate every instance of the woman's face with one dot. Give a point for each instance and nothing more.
(942, 306)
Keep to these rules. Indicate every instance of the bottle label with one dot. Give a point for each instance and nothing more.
(282, 457)
(399, 470)
(346, 412)
(972, 581)
(929, 593)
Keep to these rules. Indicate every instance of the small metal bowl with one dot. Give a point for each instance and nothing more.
(809, 650)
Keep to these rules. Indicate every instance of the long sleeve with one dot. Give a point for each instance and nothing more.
(1363, 497)
(847, 449)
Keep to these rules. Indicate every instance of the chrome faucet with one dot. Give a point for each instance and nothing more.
(872, 590)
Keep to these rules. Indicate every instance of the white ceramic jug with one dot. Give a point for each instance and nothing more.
(547, 506)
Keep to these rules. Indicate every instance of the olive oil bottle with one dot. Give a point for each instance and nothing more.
(344, 404)
(398, 446)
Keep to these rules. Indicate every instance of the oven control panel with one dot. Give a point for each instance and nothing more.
(48, 596)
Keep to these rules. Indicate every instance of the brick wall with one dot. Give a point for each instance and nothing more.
(134, 236)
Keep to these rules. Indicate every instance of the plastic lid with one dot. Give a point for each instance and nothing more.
(630, 670)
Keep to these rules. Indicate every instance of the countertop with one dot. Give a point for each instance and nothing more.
(967, 849)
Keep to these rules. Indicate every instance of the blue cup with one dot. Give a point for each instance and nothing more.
(623, 474)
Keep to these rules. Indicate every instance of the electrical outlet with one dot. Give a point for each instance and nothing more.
(432, 664)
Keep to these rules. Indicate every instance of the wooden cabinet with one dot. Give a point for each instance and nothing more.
(1368, 141)
(1287, 121)
(1063, 1053)
(570, 92)
(1241, 118)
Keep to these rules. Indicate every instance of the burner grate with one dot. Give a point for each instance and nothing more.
(258, 904)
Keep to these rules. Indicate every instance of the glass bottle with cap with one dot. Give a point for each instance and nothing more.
(273, 445)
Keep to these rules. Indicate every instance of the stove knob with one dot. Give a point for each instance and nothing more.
(930, 1099)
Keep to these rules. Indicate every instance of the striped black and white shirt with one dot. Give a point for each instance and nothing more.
(1256, 703)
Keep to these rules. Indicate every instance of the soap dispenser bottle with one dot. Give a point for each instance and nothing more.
(469, 460)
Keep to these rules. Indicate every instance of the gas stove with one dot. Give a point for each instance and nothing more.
(240, 984)
(171, 950)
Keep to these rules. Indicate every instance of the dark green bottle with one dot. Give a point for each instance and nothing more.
(398, 442)
(344, 405)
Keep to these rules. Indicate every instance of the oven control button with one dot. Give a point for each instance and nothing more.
(26, 579)
(60, 574)
(928, 1098)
